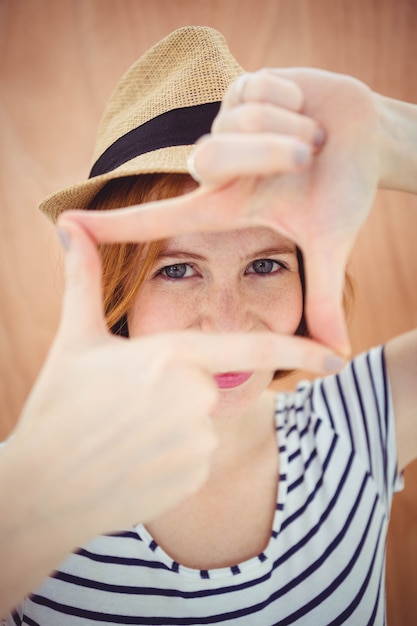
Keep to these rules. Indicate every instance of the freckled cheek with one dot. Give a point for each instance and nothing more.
(279, 308)
(159, 314)
(283, 309)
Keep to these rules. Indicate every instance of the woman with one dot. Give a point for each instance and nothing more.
(290, 524)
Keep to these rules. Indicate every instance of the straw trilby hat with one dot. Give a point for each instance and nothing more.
(161, 106)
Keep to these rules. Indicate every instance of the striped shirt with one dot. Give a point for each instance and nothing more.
(324, 563)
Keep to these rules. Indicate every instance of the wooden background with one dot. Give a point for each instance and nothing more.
(59, 60)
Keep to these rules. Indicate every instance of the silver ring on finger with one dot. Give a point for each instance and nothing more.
(192, 168)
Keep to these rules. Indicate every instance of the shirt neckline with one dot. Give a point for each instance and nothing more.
(261, 560)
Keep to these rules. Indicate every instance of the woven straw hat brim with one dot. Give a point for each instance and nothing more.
(185, 72)
(172, 160)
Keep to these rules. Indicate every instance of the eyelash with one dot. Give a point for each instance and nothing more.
(279, 264)
(163, 270)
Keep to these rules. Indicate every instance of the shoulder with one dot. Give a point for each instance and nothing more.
(360, 390)
(352, 411)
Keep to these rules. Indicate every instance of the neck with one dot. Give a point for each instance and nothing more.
(243, 436)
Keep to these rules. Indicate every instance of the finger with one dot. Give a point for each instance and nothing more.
(325, 278)
(82, 315)
(208, 209)
(221, 158)
(264, 86)
(255, 118)
(144, 222)
(239, 352)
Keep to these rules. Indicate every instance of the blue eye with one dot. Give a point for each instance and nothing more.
(264, 266)
(178, 270)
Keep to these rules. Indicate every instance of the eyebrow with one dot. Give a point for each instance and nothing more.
(284, 248)
(180, 253)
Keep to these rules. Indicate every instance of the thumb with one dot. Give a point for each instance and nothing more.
(82, 311)
(325, 278)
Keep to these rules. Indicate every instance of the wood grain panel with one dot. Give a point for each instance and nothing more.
(59, 62)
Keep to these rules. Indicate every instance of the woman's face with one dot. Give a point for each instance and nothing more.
(237, 281)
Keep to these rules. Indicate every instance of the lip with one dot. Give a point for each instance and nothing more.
(228, 380)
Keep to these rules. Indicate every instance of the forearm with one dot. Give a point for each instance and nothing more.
(32, 543)
(398, 136)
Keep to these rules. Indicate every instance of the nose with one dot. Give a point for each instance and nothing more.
(225, 309)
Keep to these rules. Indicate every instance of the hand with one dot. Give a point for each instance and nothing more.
(323, 207)
(251, 175)
(121, 426)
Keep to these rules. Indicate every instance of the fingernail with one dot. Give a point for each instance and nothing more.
(64, 239)
(192, 169)
(334, 363)
(302, 154)
(319, 137)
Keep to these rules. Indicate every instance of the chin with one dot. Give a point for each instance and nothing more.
(238, 401)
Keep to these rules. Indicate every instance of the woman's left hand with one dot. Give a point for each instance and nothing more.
(296, 150)
(328, 138)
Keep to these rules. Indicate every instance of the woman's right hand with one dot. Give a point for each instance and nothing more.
(116, 431)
